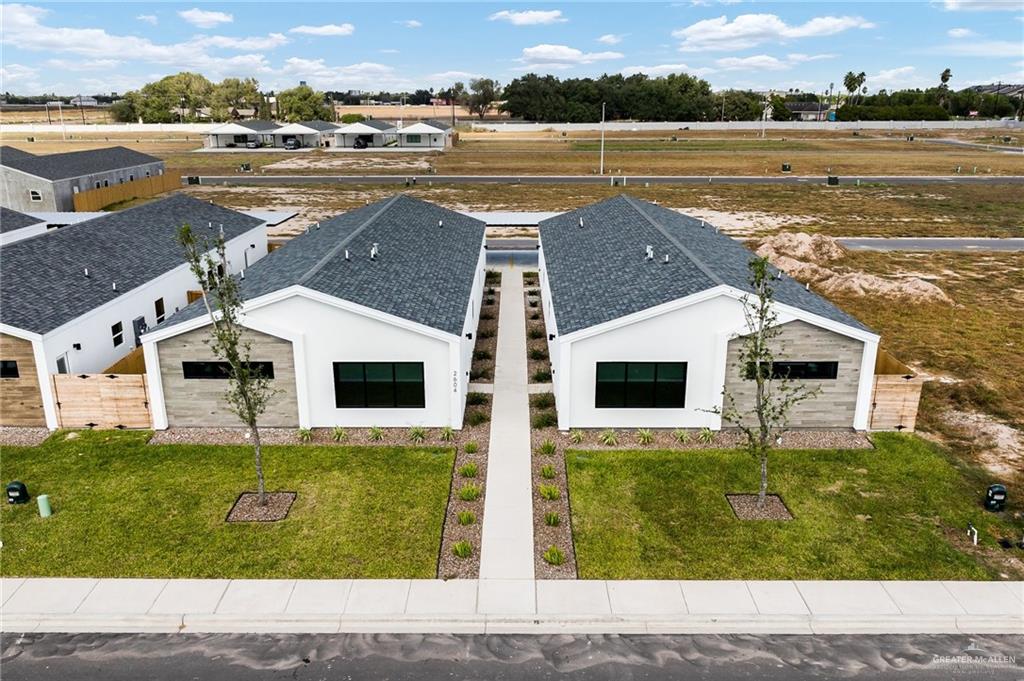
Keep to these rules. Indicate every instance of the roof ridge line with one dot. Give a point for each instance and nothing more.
(344, 242)
(675, 242)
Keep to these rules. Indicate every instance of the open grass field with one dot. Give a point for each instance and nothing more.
(123, 508)
(896, 512)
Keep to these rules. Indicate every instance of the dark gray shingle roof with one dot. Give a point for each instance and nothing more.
(440, 125)
(377, 123)
(423, 273)
(12, 153)
(599, 273)
(77, 163)
(42, 280)
(320, 126)
(258, 125)
(11, 220)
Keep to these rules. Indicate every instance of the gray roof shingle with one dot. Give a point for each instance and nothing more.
(320, 126)
(423, 273)
(378, 124)
(435, 123)
(599, 273)
(11, 220)
(77, 163)
(258, 125)
(42, 281)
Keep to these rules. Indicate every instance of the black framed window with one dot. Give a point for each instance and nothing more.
(9, 369)
(805, 371)
(380, 385)
(158, 306)
(640, 385)
(117, 333)
(222, 370)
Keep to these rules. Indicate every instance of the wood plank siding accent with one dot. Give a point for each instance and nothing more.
(21, 400)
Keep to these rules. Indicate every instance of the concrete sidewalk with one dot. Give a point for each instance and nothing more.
(506, 550)
(509, 606)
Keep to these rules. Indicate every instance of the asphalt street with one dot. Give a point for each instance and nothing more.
(367, 657)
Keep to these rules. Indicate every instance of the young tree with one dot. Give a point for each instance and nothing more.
(484, 92)
(774, 396)
(303, 103)
(248, 390)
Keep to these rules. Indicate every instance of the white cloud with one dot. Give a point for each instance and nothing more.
(610, 39)
(388, 50)
(322, 76)
(960, 33)
(326, 29)
(665, 70)
(981, 5)
(986, 48)
(16, 72)
(899, 78)
(83, 64)
(147, 18)
(750, 30)
(204, 19)
(411, 23)
(760, 62)
(561, 57)
(267, 42)
(452, 76)
(531, 17)
(797, 58)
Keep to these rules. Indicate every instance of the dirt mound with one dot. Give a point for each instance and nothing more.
(813, 248)
(861, 284)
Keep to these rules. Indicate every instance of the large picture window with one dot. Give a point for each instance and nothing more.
(805, 371)
(222, 370)
(641, 385)
(379, 385)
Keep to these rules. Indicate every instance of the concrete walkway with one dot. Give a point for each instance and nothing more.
(509, 606)
(507, 546)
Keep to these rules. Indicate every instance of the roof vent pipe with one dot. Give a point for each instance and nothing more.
(581, 222)
(86, 272)
(807, 286)
(702, 224)
(440, 223)
(347, 257)
(113, 286)
(373, 252)
(665, 261)
(649, 255)
(317, 225)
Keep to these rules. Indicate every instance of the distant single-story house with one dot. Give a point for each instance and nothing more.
(308, 134)
(84, 101)
(240, 133)
(371, 133)
(428, 133)
(808, 111)
(644, 309)
(15, 226)
(49, 182)
(78, 299)
(366, 319)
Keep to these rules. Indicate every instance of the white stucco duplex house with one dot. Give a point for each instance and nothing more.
(366, 319)
(644, 312)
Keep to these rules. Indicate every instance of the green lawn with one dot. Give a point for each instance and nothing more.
(126, 509)
(663, 515)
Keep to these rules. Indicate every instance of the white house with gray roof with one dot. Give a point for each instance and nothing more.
(239, 133)
(366, 319)
(429, 134)
(311, 134)
(15, 226)
(644, 309)
(76, 300)
(368, 133)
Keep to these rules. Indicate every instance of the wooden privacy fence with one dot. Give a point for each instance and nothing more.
(101, 400)
(896, 395)
(97, 199)
(132, 363)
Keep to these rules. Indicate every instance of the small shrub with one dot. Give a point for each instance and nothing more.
(681, 436)
(608, 438)
(486, 315)
(576, 436)
(644, 436)
(462, 549)
(469, 492)
(476, 417)
(547, 448)
(490, 290)
(544, 419)
(535, 333)
(376, 433)
(339, 434)
(485, 333)
(492, 277)
(535, 315)
(538, 354)
(549, 492)
(533, 303)
(547, 472)
(468, 470)
(706, 436)
(489, 301)
(482, 354)
(552, 519)
(541, 376)
(476, 398)
(417, 434)
(467, 517)
(478, 374)
(533, 291)
(471, 447)
(447, 434)
(554, 556)
(543, 400)
(305, 435)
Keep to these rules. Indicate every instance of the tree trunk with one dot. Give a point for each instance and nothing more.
(764, 481)
(261, 491)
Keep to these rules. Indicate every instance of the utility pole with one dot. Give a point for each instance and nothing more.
(48, 121)
(63, 128)
(602, 139)
(723, 106)
(81, 107)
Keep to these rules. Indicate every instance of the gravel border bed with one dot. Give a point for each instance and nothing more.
(532, 293)
(664, 439)
(745, 507)
(482, 370)
(246, 508)
(19, 436)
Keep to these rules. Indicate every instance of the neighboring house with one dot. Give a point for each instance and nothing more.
(371, 133)
(77, 300)
(31, 183)
(367, 319)
(427, 133)
(308, 134)
(240, 133)
(84, 101)
(15, 226)
(644, 312)
(808, 111)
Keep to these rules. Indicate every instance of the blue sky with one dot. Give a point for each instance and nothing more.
(94, 47)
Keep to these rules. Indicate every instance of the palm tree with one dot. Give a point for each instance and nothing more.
(944, 79)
